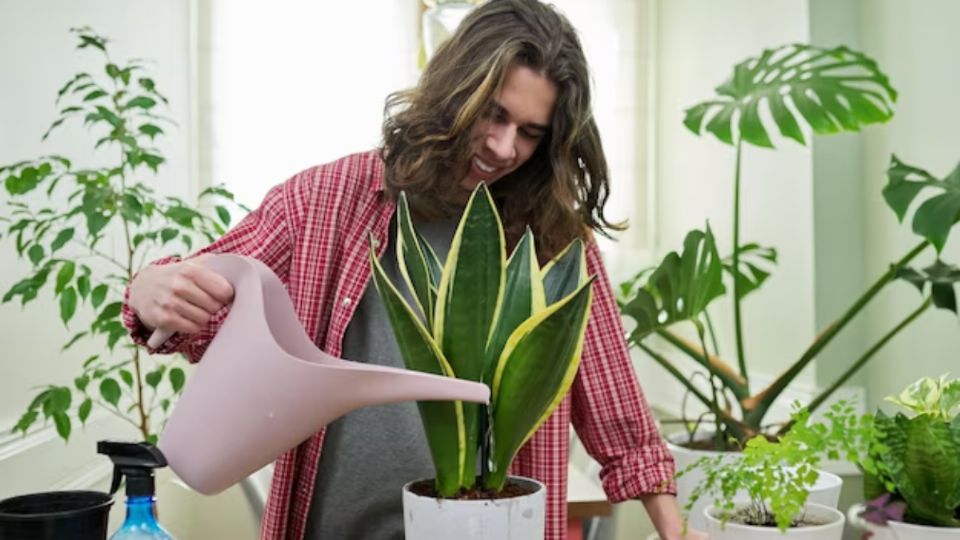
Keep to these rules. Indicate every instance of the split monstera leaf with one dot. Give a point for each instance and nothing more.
(480, 316)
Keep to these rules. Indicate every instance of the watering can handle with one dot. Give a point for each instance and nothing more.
(159, 337)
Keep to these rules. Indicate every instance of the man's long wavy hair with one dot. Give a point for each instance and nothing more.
(561, 190)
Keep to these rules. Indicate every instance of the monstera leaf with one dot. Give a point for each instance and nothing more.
(680, 288)
(829, 90)
(941, 277)
(753, 269)
(936, 216)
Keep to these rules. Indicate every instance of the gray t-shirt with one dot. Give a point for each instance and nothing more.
(370, 453)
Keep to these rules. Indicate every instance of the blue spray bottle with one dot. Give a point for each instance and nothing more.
(136, 462)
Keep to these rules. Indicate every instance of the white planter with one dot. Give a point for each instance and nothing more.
(909, 531)
(897, 530)
(516, 518)
(832, 530)
(826, 491)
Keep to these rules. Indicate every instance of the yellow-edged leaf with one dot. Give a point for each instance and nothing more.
(535, 371)
(443, 421)
(565, 272)
(523, 296)
(471, 288)
(413, 262)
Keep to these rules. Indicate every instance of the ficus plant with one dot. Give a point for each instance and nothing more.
(86, 231)
(509, 323)
(805, 89)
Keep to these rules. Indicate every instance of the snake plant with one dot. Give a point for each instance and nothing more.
(509, 323)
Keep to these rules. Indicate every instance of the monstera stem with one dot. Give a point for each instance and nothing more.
(862, 360)
(737, 319)
(762, 401)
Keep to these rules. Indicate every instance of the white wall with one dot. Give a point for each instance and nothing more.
(37, 56)
(918, 45)
(699, 43)
(822, 208)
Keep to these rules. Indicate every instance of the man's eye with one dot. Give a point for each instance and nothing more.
(531, 134)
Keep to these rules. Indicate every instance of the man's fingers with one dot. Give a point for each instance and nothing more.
(211, 282)
(185, 289)
(171, 320)
(192, 313)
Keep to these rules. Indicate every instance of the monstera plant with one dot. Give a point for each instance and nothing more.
(804, 88)
(509, 323)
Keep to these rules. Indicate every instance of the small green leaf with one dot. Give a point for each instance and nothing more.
(25, 422)
(98, 294)
(73, 340)
(110, 390)
(68, 304)
(81, 382)
(224, 215)
(110, 311)
(36, 253)
(109, 116)
(94, 95)
(127, 377)
(150, 130)
(84, 411)
(60, 398)
(83, 286)
(62, 422)
(62, 238)
(177, 379)
(88, 361)
(64, 276)
(168, 234)
(154, 377)
(143, 102)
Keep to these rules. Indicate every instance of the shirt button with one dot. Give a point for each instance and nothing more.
(347, 301)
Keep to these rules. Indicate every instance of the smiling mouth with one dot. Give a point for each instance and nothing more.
(484, 168)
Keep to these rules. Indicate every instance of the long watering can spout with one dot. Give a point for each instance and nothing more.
(263, 387)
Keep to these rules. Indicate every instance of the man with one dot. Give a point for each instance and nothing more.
(506, 101)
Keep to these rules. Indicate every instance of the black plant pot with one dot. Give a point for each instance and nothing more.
(77, 515)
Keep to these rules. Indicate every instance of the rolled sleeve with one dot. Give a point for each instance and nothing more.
(609, 413)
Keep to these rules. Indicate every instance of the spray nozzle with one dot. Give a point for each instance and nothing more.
(136, 461)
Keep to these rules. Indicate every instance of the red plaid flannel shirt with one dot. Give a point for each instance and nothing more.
(312, 231)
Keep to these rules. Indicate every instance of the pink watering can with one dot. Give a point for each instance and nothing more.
(263, 387)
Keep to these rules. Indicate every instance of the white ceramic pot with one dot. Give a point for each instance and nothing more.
(516, 518)
(826, 491)
(909, 531)
(897, 530)
(832, 530)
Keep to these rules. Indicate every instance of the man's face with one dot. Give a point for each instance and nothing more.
(506, 138)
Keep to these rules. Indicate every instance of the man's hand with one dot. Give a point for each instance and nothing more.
(665, 515)
(181, 296)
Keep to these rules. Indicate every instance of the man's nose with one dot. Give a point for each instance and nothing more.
(501, 141)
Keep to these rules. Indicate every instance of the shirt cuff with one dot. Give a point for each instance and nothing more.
(139, 332)
(644, 471)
